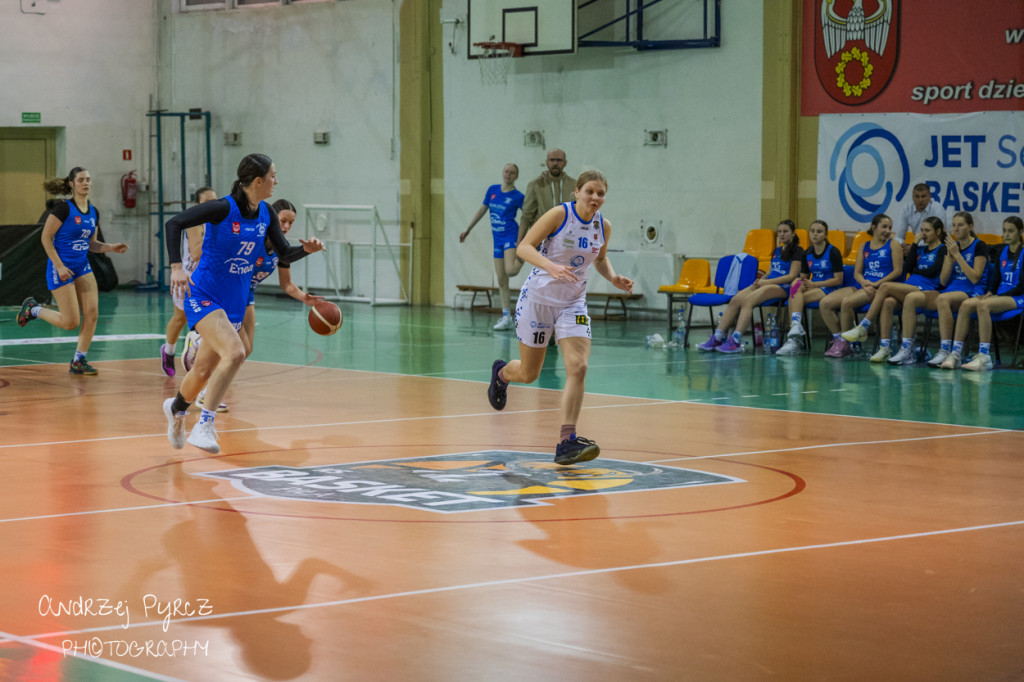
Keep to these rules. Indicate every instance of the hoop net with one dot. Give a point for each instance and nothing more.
(495, 61)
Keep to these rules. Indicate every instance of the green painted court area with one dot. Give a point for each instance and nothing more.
(460, 344)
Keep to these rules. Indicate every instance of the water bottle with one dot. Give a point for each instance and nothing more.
(758, 334)
(774, 334)
(894, 337)
(679, 335)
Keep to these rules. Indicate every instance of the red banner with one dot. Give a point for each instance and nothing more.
(922, 56)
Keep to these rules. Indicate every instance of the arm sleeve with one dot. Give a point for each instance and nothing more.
(836, 259)
(287, 252)
(211, 212)
(61, 211)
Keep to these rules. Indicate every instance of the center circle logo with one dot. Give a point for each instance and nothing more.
(866, 185)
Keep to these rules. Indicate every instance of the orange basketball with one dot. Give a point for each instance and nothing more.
(325, 318)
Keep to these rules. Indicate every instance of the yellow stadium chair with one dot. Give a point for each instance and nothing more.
(909, 238)
(837, 238)
(760, 243)
(694, 278)
(858, 241)
(991, 239)
(805, 239)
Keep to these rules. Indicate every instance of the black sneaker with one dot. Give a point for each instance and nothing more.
(83, 368)
(497, 390)
(25, 315)
(575, 450)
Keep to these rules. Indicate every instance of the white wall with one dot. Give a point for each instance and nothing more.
(595, 105)
(89, 68)
(277, 74)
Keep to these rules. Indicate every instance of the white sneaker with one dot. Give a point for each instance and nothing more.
(175, 426)
(795, 331)
(504, 323)
(904, 356)
(938, 358)
(858, 333)
(882, 354)
(204, 437)
(791, 347)
(982, 362)
(952, 361)
(188, 356)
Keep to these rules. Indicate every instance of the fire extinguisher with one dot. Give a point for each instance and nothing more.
(128, 189)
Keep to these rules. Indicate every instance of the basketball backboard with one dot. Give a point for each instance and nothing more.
(540, 26)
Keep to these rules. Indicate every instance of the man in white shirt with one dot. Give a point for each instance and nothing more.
(920, 207)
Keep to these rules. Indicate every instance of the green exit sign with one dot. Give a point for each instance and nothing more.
(31, 117)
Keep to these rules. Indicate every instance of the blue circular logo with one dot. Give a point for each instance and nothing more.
(576, 261)
(860, 173)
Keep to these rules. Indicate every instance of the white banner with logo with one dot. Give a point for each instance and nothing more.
(869, 164)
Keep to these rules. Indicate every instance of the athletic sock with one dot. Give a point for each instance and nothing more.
(984, 348)
(837, 336)
(908, 343)
(946, 345)
(180, 405)
(568, 431)
(866, 323)
(504, 312)
(168, 348)
(79, 355)
(719, 335)
(738, 338)
(884, 343)
(207, 415)
(34, 311)
(958, 346)
(796, 318)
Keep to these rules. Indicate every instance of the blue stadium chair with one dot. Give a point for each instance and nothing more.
(748, 273)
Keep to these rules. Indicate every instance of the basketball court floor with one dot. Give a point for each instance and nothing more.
(370, 517)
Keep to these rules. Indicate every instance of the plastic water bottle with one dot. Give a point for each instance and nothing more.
(894, 336)
(679, 335)
(774, 334)
(758, 334)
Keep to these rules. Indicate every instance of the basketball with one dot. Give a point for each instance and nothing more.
(325, 318)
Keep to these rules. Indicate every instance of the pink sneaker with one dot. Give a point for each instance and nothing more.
(840, 348)
(709, 345)
(729, 346)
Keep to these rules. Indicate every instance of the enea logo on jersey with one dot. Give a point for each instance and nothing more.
(856, 43)
(464, 482)
(236, 228)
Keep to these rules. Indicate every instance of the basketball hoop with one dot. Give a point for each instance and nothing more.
(496, 59)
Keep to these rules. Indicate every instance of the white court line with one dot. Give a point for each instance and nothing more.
(656, 461)
(120, 509)
(45, 340)
(540, 578)
(28, 641)
(832, 445)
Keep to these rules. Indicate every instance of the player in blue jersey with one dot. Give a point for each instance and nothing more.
(821, 273)
(785, 269)
(69, 234)
(217, 293)
(1008, 294)
(963, 277)
(191, 250)
(879, 260)
(562, 246)
(265, 266)
(924, 262)
(503, 202)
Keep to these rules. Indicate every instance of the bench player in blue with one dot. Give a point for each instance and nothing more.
(963, 278)
(69, 234)
(503, 201)
(217, 293)
(1008, 295)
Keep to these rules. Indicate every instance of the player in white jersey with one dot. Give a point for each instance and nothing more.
(192, 249)
(561, 245)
